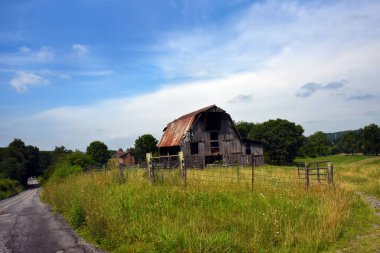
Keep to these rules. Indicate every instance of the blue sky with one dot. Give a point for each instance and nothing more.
(76, 71)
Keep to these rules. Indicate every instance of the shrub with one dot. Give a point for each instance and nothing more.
(9, 187)
(63, 170)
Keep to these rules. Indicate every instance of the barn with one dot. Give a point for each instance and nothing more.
(209, 136)
(125, 158)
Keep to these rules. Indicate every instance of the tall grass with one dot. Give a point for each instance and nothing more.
(9, 187)
(357, 172)
(361, 174)
(131, 215)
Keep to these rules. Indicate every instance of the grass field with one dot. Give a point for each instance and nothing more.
(357, 172)
(128, 214)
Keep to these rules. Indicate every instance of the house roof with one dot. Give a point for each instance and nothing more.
(120, 154)
(176, 130)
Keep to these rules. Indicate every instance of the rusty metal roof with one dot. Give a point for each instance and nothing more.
(176, 130)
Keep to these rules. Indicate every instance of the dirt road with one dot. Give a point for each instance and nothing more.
(28, 225)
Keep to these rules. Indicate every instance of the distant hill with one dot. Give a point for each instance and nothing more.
(333, 137)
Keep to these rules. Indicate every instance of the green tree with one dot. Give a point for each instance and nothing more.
(317, 144)
(145, 144)
(371, 139)
(349, 143)
(17, 157)
(281, 140)
(244, 128)
(79, 158)
(98, 151)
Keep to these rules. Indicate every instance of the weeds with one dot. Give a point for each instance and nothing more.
(139, 217)
(9, 187)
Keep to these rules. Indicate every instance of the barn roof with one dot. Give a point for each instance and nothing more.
(176, 130)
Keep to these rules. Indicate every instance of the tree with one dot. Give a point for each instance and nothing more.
(281, 139)
(98, 151)
(244, 128)
(317, 144)
(145, 144)
(20, 162)
(79, 158)
(371, 139)
(349, 143)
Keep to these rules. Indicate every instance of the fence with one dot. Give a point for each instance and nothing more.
(317, 171)
(174, 170)
(199, 161)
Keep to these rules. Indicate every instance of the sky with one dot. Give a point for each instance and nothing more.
(76, 71)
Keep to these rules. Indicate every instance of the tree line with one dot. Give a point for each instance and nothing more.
(18, 161)
(284, 140)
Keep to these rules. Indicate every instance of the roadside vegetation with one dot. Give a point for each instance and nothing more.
(128, 214)
(9, 187)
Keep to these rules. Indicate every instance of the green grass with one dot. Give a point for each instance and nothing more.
(136, 216)
(9, 187)
(342, 159)
(357, 172)
(129, 214)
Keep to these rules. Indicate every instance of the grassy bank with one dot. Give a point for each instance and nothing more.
(136, 216)
(360, 174)
(357, 172)
(9, 187)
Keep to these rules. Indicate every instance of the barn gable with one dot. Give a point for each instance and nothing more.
(209, 134)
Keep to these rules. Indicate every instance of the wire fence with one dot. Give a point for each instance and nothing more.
(173, 170)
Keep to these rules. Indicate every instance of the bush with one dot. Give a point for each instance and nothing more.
(9, 187)
(76, 215)
(64, 170)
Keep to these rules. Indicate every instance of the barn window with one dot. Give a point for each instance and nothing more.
(248, 151)
(213, 136)
(194, 148)
(214, 142)
(213, 121)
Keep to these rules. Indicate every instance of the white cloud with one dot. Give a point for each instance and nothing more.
(279, 54)
(265, 30)
(24, 49)
(22, 80)
(105, 72)
(27, 55)
(44, 53)
(80, 50)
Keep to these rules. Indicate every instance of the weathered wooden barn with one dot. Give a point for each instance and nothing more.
(208, 136)
(125, 158)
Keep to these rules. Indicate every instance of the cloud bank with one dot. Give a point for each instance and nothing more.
(252, 68)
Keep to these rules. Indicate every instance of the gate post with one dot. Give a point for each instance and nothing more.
(182, 167)
(307, 179)
(330, 173)
(150, 167)
(253, 171)
(318, 173)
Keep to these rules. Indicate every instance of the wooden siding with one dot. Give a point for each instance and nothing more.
(228, 139)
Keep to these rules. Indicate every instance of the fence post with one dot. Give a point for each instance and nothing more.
(318, 173)
(330, 173)
(182, 167)
(298, 169)
(253, 171)
(307, 180)
(150, 166)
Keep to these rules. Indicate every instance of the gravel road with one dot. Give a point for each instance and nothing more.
(28, 225)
